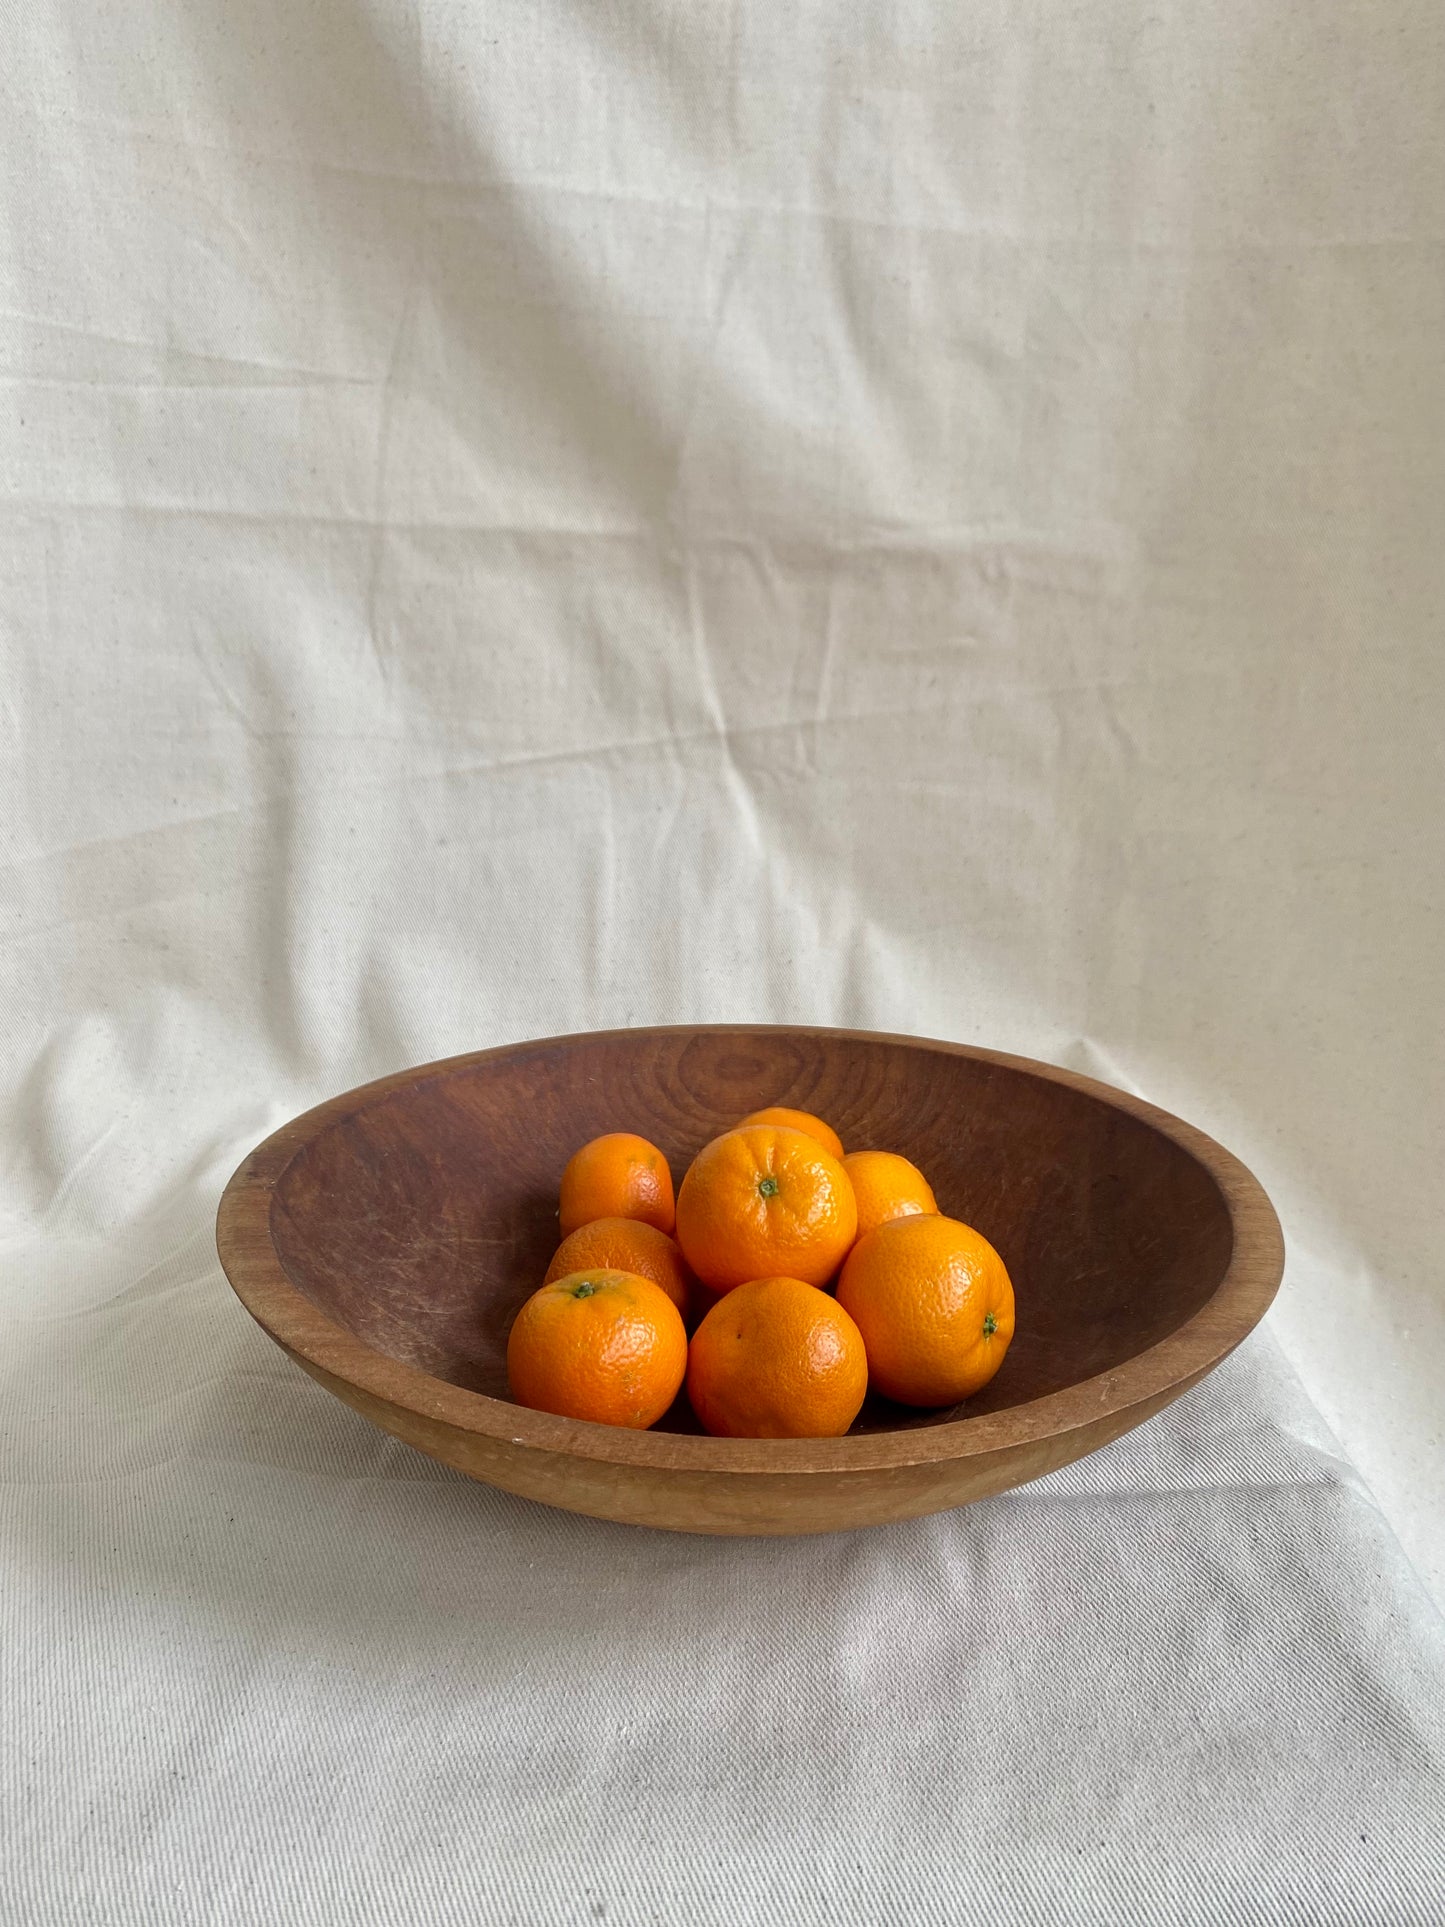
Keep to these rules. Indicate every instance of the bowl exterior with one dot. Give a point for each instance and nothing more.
(734, 1504)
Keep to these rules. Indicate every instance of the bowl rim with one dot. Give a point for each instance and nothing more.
(253, 1267)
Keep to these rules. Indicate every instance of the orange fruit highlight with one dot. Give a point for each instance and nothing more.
(624, 1244)
(887, 1186)
(620, 1175)
(777, 1359)
(935, 1306)
(765, 1201)
(601, 1345)
(799, 1121)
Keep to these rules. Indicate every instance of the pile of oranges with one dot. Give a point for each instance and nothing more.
(808, 1274)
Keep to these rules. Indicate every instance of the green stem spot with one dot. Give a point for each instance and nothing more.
(990, 1324)
(585, 1290)
(767, 1187)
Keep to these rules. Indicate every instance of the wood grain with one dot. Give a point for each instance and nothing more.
(386, 1239)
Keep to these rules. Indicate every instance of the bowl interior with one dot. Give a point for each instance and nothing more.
(421, 1220)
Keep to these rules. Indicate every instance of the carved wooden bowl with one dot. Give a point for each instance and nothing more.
(386, 1239)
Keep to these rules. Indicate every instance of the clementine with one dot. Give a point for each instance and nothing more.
(764, 1201)
(799, 1121)
(935, 1306)
(777, 1359)
(602, 1345)
(620, 1175)
(887, 1186)
(624, 1244)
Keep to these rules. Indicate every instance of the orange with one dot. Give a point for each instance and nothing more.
(887, 1186)
(602, 1345)
(777, 1359)
(799, 1121)
(763, 1202)
(617, 1176)
(624, 1244)
(935, 1307)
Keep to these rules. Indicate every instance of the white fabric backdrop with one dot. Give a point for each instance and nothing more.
(518, 518)
(269, 1666)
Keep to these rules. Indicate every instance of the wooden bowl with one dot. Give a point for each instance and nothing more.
(386, 1239)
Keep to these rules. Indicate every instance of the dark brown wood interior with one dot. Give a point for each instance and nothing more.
(424, 1219)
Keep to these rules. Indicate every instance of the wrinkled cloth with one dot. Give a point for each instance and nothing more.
(268, 1664)
(523, 518)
